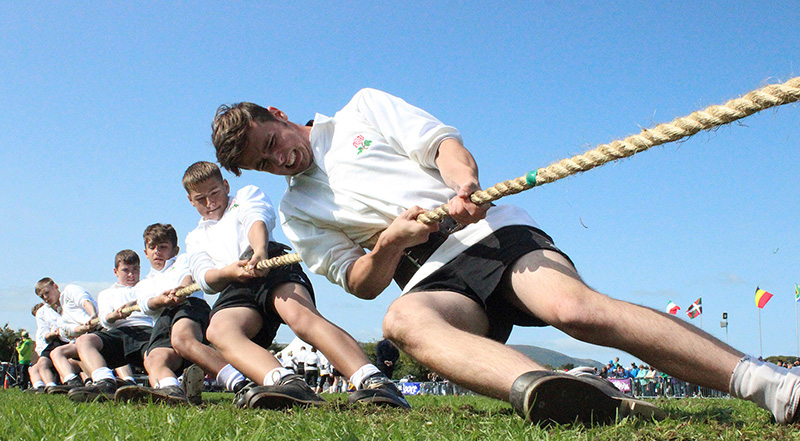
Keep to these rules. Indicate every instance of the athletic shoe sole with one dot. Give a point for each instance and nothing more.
(193, 377)
(563, 399)
(378, 397)
(85, 396)
(138, 394)
(264, 397)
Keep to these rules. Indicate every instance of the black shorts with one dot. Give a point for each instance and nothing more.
(50, 346)
(256, 294)
(125, 344)
(192, 308)
(478, 273)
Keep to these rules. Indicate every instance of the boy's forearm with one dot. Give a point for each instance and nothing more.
(89, 308)
(218, 279)
(258, 236)
(456, 165)
(368, 276)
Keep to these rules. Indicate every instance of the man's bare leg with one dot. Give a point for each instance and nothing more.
(293, 304)
(434, 327)
(61, 356)
(187, 339)
(230, 331)
(445, 331)
(546, 284)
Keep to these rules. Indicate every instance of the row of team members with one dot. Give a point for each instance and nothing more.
(357, 181)
(169, 332)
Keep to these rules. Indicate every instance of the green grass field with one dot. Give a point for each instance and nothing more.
(46, 417)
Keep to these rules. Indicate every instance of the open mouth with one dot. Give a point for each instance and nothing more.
(292, 158)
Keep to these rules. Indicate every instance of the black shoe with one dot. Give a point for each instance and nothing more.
(169, 395)
(66, 387)
(544, 397)
(103, 390)
(34, 390)
(379, 389)
(241, 389)
(126, 394)
(292, 390)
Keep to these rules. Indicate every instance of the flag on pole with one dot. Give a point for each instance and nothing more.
(696, 308)
(796, 292)
(762, 297)
(672, 308)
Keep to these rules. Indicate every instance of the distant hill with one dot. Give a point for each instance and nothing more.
(552, 358)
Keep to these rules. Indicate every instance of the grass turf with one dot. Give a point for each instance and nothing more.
(36, 417)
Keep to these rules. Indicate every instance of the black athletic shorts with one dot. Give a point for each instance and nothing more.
(125, 344)
(192, 308)
(50, 346)
(478, 273)
(256, 294)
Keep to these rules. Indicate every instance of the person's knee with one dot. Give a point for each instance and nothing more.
(154, 360)
(183, 342)
(580, 312)
(400, 324)
(87, 342)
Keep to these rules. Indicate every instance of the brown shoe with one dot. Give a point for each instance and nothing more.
(544, 397)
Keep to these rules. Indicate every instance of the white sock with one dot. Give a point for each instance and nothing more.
(129, 379)
(771, 387)
(69, 377)
(39, 384)
(52, 383)
(276, 375)
(102, 373)
(362, 374)
(168, 381)
(229, 376)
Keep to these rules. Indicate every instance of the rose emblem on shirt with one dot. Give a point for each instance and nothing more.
(361, 144)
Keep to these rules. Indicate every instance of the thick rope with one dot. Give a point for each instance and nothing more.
(284, 260)
(709, 118)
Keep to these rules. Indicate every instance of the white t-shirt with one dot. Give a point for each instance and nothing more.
(215, 244)
(46, 321)
(114, 297)
(373, 160)
(156, 282)
(72, 312)
(312, 361)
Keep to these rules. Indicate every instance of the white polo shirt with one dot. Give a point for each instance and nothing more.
(215, 244)
(373, 160)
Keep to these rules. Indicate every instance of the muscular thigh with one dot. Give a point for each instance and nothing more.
(234, 322)
(544, 283)
(424, 308)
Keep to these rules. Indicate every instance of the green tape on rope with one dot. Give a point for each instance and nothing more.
(530, 178)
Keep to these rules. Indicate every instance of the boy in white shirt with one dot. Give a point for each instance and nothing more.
(180, 325)
(125, 337)
(47, 339)
(77, 310)
(230, 239)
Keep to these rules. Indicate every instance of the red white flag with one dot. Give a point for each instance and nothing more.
(696, 308)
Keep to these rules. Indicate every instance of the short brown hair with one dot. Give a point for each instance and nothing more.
(42, 285)
(160, 233)
(229, 131)
(126, 256)
(199, 172)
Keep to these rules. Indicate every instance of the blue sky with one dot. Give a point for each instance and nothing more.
(106, 104)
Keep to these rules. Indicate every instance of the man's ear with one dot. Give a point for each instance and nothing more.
(277, 113)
